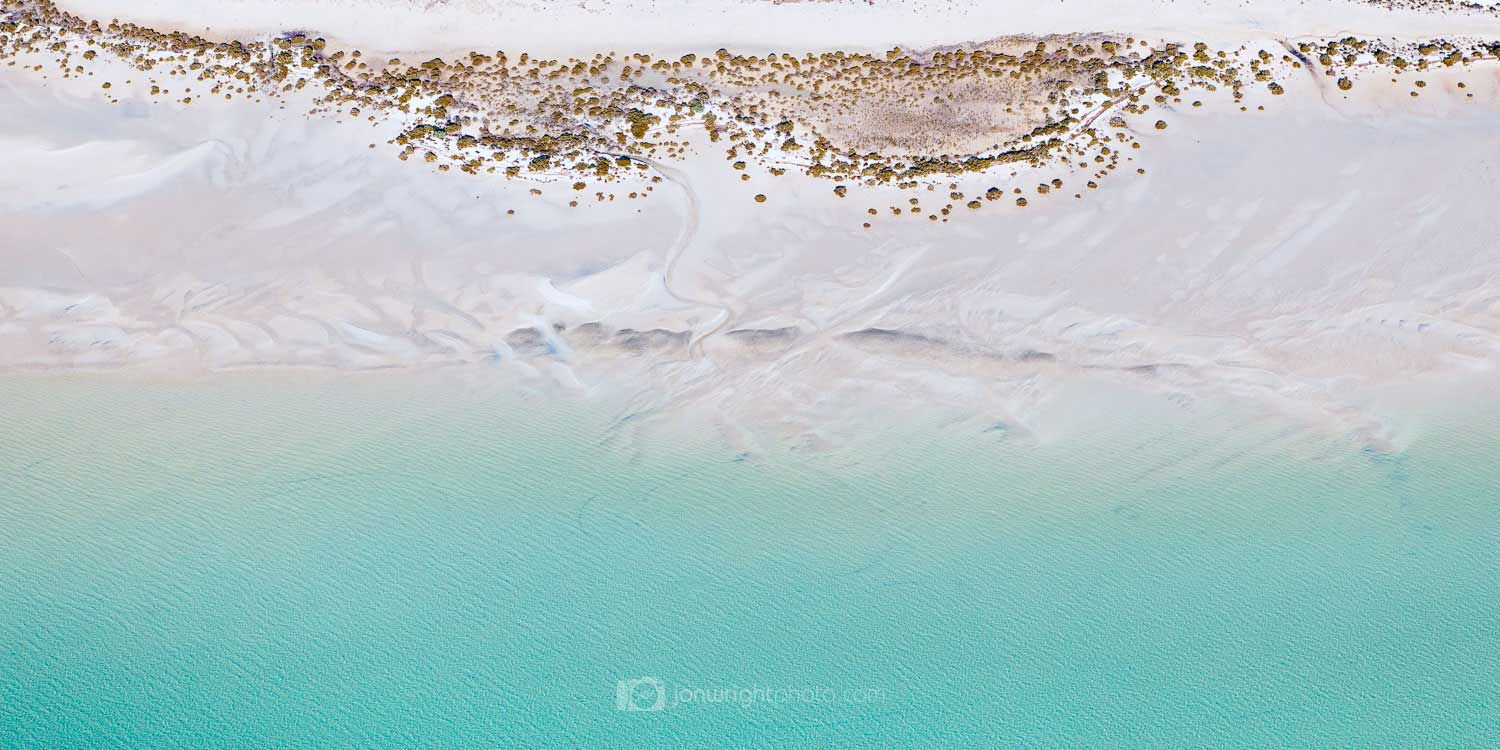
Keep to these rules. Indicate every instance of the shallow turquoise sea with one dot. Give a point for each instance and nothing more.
(389, 563)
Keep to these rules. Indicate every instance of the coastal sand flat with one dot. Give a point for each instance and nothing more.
(1300, 257)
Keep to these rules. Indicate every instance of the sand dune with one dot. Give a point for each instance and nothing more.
(759, 26)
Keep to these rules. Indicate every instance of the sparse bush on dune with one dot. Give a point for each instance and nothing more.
(900, 119)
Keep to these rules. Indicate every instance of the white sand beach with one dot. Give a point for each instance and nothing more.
(1301, 256)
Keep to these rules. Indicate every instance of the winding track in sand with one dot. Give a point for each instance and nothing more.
(685, 238)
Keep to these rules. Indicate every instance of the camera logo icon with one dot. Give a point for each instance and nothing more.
(640, 694)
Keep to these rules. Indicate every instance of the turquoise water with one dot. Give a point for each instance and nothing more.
(386, 563)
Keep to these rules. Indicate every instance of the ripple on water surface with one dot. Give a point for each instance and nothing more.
(386, 563)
